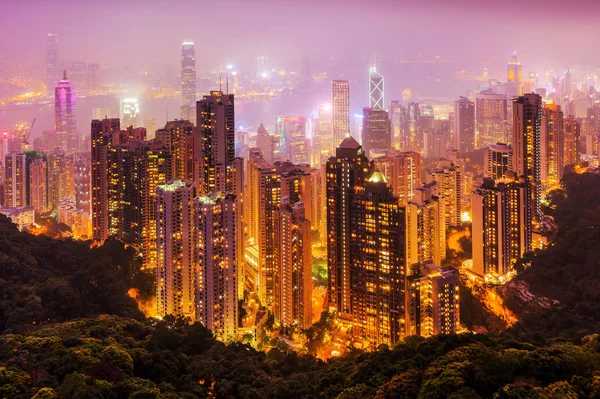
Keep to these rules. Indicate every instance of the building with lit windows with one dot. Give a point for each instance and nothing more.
(515, 77)
(340, 103)
(572, 136)
(376, 89)
(175, 138)
(175, 269)
(268, 144)
(464, 129)
(188, 81)
(552, 145)
(491, 110)
(14, 180)
(432, 301)
(501, 224)
(65, 114)
(526, 145)
(497, 160)
(216, 259)
(377, 268)
(403, 172)
(81, 183)
(293, 300)
(348, 169)
(22, 216)
(296, 144)
(425, 227)
(38, 185)
(216, 128)
(448, 189)
(376, 131)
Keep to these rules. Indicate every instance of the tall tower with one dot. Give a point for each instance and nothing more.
(526, 144)
(175, 271)
(376, 133)
(464, 136)
(572, 137)
(65, 118)
(216, 238)
(377, 270)
(216, 126)
(14, 180)
(497, 161)
(403, 172)
(347, 170)
(52, 63)
(101, 140)
(552, 145)
(340, 102)
(376, 94)
(188, 80)
(515, 77)
(38, 185)
(449, 189)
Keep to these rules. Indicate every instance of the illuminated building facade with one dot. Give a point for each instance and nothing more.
(65, 116)
(14, 180)
(175, 270)
(449, 189)
(268, 144)
(526, 145)
(38, 185)
(376, 132)
(497, 160)
(376, 90)
(552, 145)
(188, 80)
(425, 227)
(293, 300)
(377, 268)
(216, 127)
(60, 177)
(296, 144)
(434, 144)
(216, 237)
(347, 170)
(433, 301)
(403, 172)
(81, 183)
(501, 225)
(130, 109)
(515, 77)
(491, 117)
(340, 102)
(464, 130)
(572, 137)
(173, 137)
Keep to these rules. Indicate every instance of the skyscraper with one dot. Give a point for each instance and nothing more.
(376, 94)
(188, 80)
(38, 185)
(81, 182)
(464, 131)
(347, 170)
(552, 145)
(491, 116)
(175, 271)
(65, 118)
(293, 304)
(376, 133)
(449, 189)
(377, 269)
(526, 144)
(216, 237)
(215, 118)
(403, 172)
(515, 77)
(296, 144)
(14, 180)
(572, 138)
(497, 160)
(52, 62)
(340, 102)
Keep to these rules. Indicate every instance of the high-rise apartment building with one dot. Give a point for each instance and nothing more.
(38, 185)
(340, 103)
(293, 300)
(449, 189)
(65, 117)
(425, 227)
(502, 226)
(376, 132)
(175, 138)
(491, 116)
(572, 139)
(464, 130)
(347, 170)
(215, 118)
(81, 183)
(433, 301)
(552, 145)
(377, 269)
(176, 274)
(14, 180)
(497, 160)
(403, 172)
(526, 145)
(296, 144)
(216, 237)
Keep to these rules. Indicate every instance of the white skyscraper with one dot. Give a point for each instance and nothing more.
(376, 94)
(65, 117)
(188, 81)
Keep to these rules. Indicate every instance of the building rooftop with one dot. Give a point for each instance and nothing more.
(349, 143)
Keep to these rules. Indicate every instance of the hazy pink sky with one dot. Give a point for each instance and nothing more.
(134, 32)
